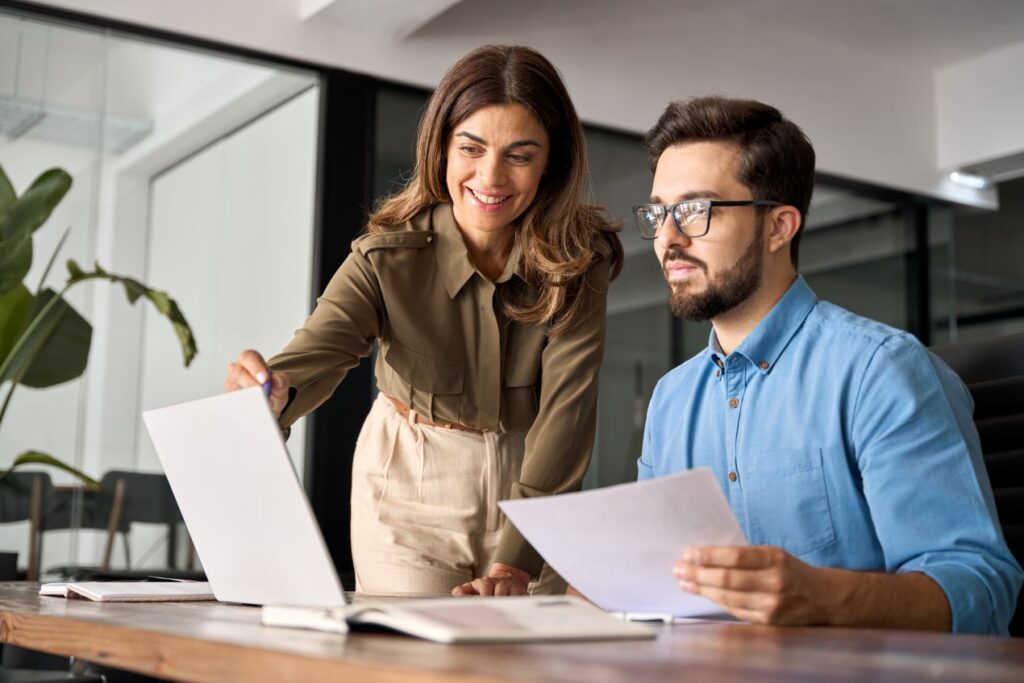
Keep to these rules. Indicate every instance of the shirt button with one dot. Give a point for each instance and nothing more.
(734, 402)
(763, 365)
(718, 373)
(732, 476)
(430, 238)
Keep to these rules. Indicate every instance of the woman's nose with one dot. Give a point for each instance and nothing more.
(491, 171)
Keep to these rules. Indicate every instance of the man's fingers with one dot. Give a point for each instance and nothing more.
(738, 557)
(768, 580)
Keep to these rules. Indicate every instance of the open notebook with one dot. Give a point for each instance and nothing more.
(131, 591)
(259, 542)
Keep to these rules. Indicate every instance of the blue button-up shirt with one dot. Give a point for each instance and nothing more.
(848, 444)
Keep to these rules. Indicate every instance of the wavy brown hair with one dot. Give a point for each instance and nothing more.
(559, 233)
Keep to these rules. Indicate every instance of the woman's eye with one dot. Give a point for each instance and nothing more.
(519, 158)
(469, 149)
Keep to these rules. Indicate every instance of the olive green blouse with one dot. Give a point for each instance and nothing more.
(448, 350)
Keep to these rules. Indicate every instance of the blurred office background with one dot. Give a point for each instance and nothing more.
(227, 151)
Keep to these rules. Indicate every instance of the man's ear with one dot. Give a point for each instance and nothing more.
(783, 224)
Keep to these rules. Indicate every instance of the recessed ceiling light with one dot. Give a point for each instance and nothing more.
(976, 182)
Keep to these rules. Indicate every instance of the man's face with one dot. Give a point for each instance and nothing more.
(708, 275)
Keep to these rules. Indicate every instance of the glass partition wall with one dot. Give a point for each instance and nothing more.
(193, 172)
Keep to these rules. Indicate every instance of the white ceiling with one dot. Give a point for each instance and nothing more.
(917, 32)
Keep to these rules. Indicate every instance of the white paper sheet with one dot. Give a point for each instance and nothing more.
(617, 545)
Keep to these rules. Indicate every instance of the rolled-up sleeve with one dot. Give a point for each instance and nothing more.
(559, 443)
(925, 483)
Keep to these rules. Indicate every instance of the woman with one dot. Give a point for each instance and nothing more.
(484, 283)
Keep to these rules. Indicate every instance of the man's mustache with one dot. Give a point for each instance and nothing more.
(676, 254)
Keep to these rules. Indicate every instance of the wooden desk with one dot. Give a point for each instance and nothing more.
(214, 642)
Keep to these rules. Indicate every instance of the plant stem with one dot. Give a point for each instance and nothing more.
(7, 401)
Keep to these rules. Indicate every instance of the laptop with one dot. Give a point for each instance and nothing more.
(260, 544)
(242, 502)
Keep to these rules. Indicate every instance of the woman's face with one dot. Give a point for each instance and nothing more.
(496, 158)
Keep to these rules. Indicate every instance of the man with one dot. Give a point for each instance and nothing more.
(845, 449)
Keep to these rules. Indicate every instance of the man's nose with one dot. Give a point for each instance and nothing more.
(668, 235)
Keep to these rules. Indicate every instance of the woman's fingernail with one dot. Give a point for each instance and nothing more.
(261, 377)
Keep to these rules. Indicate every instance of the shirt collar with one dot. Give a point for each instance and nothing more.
(765, 344)
(453, 257)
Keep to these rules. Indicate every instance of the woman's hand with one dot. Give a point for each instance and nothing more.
(502, 579)
(250, 370)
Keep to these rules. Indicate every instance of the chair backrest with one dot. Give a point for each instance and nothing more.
(16, 494)
(24, 495)
(993, 370)
(147, 497)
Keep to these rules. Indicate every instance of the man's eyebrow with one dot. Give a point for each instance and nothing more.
(513, 145)
(696, 194)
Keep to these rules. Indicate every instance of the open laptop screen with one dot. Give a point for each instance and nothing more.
(242, 502)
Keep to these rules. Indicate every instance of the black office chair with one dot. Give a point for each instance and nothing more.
(126, 497)
(993, 370)
(23, 496)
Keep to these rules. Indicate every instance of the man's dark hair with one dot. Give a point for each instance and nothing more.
(777, 158)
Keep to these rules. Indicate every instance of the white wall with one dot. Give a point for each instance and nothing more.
(871, 118)
(231, 236)
(980, 106)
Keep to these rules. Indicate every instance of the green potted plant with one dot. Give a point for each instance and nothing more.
(44, 341)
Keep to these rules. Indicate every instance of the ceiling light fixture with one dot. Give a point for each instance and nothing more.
(975, 182)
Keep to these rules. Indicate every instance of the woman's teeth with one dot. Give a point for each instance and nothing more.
(487, 199)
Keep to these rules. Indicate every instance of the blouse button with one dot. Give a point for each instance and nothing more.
(732, 476)
(734, 402)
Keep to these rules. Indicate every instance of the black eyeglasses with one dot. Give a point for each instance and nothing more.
(692, 216)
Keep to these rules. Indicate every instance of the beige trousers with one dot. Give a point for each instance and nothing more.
(425, 514)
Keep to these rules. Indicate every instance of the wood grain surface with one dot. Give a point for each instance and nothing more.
(219, 642)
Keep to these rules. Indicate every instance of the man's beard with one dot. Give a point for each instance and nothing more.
(725, 292)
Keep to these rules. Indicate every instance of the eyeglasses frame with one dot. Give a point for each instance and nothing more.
(712, 203)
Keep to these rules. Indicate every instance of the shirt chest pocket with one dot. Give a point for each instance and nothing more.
(787, 500)
(425, 373)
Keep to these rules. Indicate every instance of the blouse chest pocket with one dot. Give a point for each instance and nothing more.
(425, 373)
(787, 500)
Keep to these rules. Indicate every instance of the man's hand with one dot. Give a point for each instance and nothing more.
(766, 585)
(759, 584)
(502, 579)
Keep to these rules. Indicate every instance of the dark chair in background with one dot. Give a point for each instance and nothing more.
(23, 496)
(126, 497)
(993, 370)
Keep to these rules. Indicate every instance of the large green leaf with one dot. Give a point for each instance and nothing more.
(31, 209)
(54, 348)
(38, 458)
(134, 289)
(15, 309)
(20, 217)
(15, 262)
(7, 193)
